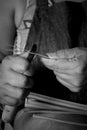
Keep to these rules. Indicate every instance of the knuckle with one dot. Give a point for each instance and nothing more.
(18, 81)
(9, 101)
(23, 64)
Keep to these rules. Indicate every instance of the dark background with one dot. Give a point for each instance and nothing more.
(45, 81)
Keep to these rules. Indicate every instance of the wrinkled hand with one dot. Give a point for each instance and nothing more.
(67, 66)
(13, 79)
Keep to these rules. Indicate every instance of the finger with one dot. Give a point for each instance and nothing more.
(52, 63)
(59, 64)
(48, 62)
(6, 100)
(20, 65)
(28, 73)
(16, 63)
(75, 53)
(15, 79)
(11, 91)
(64, 53)
(58, 54)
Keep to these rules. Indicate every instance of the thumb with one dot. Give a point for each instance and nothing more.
(53, 57)
(58, 54)
(64, 53)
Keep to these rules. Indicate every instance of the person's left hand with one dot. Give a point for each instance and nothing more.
(67, 66)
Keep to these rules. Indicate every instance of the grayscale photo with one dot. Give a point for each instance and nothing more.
(43, 64)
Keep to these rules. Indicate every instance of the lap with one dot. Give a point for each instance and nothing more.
(29, 119)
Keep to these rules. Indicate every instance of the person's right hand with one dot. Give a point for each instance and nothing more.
(13, 79)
